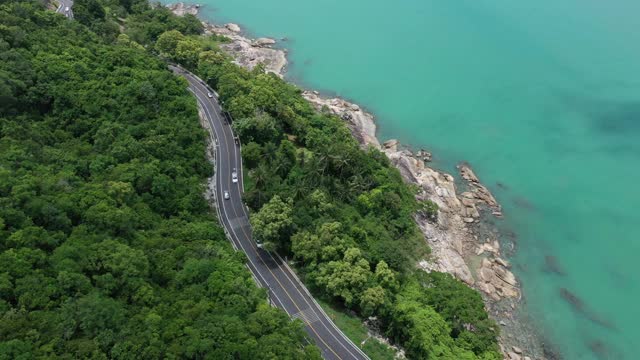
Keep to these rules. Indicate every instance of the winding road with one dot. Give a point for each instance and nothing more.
(285, 290)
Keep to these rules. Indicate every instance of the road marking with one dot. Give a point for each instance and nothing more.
(222, 205)
(237, 222)
(209, 118)
(308, 316)
(295, 304)
(262, 260)
(298, 282)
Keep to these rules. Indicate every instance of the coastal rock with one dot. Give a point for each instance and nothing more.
(490, 247)
(263, 42)
(502, 262)
(391, 145)
(424, 155)
(182, 9)
(478, 190)
(516, 350)
(233, 27)
(246, 52)
(360, 122)
(467, 173)
(496, 281)
(514, 356)
(454, 245)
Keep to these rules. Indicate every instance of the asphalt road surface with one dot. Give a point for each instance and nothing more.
(285, 290)
(65, 8)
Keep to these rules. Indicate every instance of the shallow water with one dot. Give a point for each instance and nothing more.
(543, 97)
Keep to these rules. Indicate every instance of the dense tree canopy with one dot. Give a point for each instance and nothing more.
(345, 215)
(107, 247)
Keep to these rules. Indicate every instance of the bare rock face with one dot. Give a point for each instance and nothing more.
(247, 53)
(360, 122)
(454, 238)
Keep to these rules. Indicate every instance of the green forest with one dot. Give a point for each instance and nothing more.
(108, 248)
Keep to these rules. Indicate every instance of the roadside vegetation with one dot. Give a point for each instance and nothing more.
(100, 137)
(355, 330)
(107, 247)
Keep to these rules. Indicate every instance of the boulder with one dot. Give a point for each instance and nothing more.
(472, 211)
(424, 155)
(506, 276)
(502, 262)
(516, 350)
(391, 144)
(468, 174)
(260, 42)
(233, 27)
(513, 356)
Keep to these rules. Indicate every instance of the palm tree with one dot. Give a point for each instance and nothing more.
(299, 189)
(260, 175)
(269, 150)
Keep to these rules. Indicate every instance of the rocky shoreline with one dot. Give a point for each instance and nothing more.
(463, 242)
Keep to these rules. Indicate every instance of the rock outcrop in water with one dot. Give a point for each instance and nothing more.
(462, 244)
(246, 52)
(182, 9)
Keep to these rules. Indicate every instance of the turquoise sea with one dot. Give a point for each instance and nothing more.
(541, 96)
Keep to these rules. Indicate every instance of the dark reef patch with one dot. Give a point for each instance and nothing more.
(578, 305)
(599, 349)
(608, 116)
(502, 186)
(523, 203)
(617, 118)
(551, 265)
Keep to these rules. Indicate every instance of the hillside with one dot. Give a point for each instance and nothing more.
(107, 247)
(110, 249)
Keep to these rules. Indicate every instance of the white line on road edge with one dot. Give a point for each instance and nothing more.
(243, 248)
(209, 118)
(300, 284)
(322, 310)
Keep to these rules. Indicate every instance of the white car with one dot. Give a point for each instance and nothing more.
(209, 94)
(66, 9)
(234, 176)
(226, 195)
